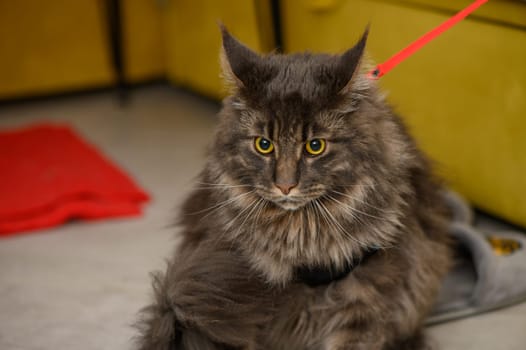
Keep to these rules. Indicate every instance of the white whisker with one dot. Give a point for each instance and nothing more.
(351, 210)
(208, 185)
(229, 225)
(352, 214)
(247, 216)
(258, 214)
(364, 202)
(312, 210)
(221, 205)
(338, 226)
(219, 184)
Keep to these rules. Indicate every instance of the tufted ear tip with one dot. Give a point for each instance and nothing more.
(225, 34)
(238, 62)
(363, 40)
(350, 59)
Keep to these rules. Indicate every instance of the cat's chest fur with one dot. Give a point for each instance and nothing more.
(281, 247)
(315, 313)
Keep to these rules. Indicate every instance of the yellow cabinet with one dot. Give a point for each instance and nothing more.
(463, 95)
(51, 46)
(59, 45)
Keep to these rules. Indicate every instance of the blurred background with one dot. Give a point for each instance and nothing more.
(463, 95)
(140, 80)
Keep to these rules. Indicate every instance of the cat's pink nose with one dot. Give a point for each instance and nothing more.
(286, 187)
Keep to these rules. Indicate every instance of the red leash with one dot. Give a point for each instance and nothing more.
(392, 62)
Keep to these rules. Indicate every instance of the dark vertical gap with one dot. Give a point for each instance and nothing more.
(277, 25)
(114, 17)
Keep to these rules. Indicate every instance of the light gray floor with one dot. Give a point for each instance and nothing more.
(79, 286)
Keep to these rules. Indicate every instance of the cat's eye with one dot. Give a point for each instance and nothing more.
(263, 145)
(315, 147)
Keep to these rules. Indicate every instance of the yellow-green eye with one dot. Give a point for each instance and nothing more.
(315, 146)
(263, 145)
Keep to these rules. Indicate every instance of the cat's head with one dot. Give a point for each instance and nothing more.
(298, 127)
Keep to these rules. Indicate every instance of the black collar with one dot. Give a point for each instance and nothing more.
(314, 276)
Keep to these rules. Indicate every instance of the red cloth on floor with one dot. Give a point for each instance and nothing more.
(49, 175)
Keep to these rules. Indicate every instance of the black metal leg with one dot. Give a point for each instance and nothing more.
(277, 26)
(114, 12)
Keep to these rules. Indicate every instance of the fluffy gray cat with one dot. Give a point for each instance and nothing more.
(316, 223)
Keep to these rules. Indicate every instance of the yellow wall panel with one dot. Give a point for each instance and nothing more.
(59, 45)
(52, 46)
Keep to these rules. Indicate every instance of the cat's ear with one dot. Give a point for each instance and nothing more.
(239, 64)
(349, 62)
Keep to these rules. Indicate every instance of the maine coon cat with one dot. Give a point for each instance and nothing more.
(316, 223)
